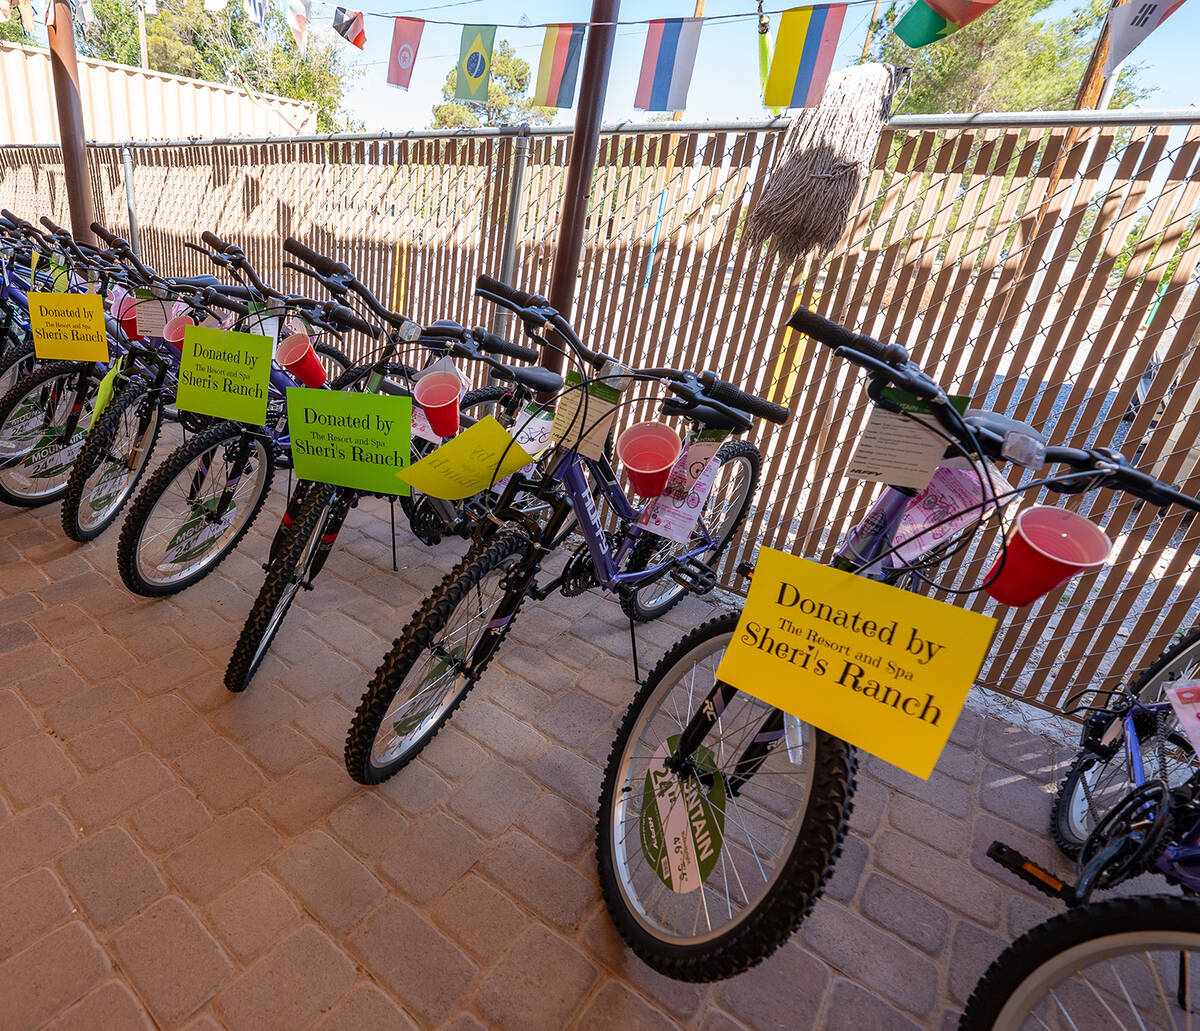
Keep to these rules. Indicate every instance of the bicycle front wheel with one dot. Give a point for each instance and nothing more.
(704, 879)
(176, 532)
(17, 362)
(36, 449)
(736, 483)
(437, 659)
(1121, 963)
(111, 463)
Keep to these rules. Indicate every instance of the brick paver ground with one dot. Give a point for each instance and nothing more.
(175, 856)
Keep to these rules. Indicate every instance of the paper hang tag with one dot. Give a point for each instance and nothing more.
(1185, 700)
(882, 668)
(104, 392)
(468, 463)
(532, 428)
(951, 499)
(897, 449)
(260, 322)
(583, 418)
(674, 513)
(151, 313)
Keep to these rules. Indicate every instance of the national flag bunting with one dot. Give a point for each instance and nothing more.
(26, 9)
(475, 63)
(256, 11)
(406, 38)
(5, 10)
(927, 21)
(349, 25)
(804, 48)
(667, 64)
(297, 19)
(1131, 23)
(559, 66)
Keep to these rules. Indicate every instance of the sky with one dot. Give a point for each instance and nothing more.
(725, 85)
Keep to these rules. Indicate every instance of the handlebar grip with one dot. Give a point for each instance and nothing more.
(16, 220)
(109, 238)
(222, 300)
(833, 334)
(733, 396)
(511, 293)
(493, 344)
(346, 318)
(326, 266)
(214, 241)
(56, 229)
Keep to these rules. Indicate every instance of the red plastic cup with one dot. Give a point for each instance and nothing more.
(437, 394)
(648, 451)
(1047, 547)
(296, 354)
(175, 328)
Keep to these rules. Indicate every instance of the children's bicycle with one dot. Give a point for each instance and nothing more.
(764, 796)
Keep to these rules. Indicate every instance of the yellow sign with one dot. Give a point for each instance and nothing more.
(468, 463)
(882, 668)
(69, 326)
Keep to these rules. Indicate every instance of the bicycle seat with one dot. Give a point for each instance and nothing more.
(1001, 425)
(537, 379)
(193, 281)
(703, 414)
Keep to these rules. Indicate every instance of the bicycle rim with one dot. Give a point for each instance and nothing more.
(1180, 662)
(110, 483)
(35, 457)
(741, 842)
(183, 532)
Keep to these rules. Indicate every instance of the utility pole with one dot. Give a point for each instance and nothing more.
(870, 29)
(141, 16)
(61, 33)
(584, 142)
(1095, 90)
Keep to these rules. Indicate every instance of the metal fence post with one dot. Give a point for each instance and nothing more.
(512, 214)
(130, 201)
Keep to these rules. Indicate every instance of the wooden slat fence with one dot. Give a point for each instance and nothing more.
(1049, 273)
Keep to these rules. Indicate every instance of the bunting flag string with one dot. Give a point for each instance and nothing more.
(406, 38)
(349, 25)
(927, 21)
(558, 68)
(475, 63)
(297, 19)
(803, 58)
(667, 64)
(1130, 24)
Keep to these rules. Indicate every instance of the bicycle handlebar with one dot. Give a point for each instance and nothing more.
(347, 318)
(726, 393)
(510, 293)
(326, 266)
(213, 241)
(835, 335)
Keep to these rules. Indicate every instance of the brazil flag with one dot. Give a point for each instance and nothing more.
(475, 62)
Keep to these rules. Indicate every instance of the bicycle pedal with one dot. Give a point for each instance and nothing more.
(694, 576)
(1029, 871)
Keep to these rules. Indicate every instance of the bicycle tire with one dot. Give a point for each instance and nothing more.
(285, 577)
(1115, 929)
(1177, 662)
(17, 362)
(490, 557)
(88, 509)
(659, 596)
(27, 440)
(1081, 803)
(334, 360)
(151, 516)
(809, 841)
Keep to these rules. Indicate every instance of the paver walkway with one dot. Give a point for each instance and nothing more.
(175, 856)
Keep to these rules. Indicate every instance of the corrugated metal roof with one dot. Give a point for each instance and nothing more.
(124, 103)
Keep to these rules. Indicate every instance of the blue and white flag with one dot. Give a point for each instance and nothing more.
(256, 11)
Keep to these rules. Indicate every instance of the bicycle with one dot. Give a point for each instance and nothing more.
(458, 628)
(773, 794)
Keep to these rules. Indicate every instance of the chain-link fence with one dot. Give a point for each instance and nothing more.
(1048, 271)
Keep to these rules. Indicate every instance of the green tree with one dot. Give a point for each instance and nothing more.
(225, 46)
(1011, 59)
(12, 31)
(506, 100)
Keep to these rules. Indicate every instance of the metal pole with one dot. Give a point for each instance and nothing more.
(70, 121)
(141, 16)
(130, 200)
(582, 165)
(508, 247)
(1110, 85)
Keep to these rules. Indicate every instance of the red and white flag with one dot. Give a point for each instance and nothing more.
(406, 38)
(297, 19)
(1131, 23)
(349, 25)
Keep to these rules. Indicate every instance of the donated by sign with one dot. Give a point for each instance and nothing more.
(224, 374)
(350, 439)
(882, 668)
(68, 326)
(477, 458)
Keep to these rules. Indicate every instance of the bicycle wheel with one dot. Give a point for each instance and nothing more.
(437, 659)
(1121, 963)
(704, 882)
(173, 536)
(17, 362)
(1180, 661)
(725, 508)
(1099, 777)
(288, 572)
(36, 452)
(112, 461)
(334, 360)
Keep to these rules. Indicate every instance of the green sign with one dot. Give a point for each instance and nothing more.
(224, 374)
(350, 439)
